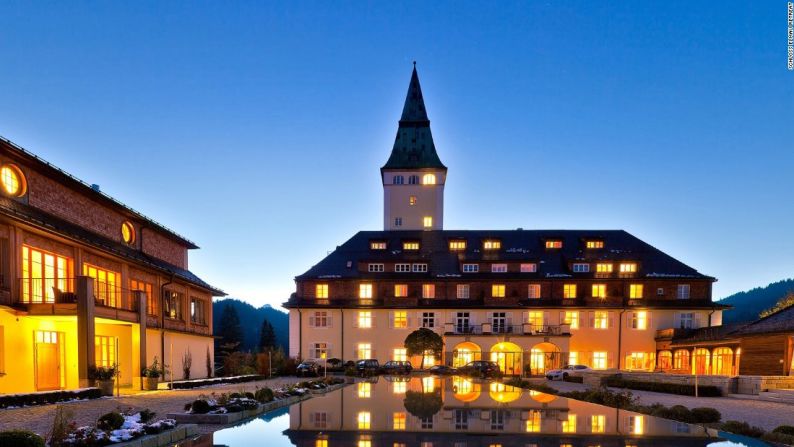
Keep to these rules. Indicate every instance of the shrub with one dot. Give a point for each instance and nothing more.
(101, 372)
(705, 415)
(61, 426)
(573, 379)
(110, 421)
(235, 396)
(200, 406)
(147, 415)
(264, 395)
(671, 388)
(195, 383)
(784, 429)
(20, 438)
(742, 428)
(24, 400)
(603, 396)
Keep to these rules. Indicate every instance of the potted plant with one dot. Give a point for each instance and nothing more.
(151, 375)
(103, 377)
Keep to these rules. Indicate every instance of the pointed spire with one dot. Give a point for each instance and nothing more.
(414, 147)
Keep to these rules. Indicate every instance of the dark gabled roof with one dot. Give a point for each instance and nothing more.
(781, 321)
(517, 245)
(413, 146)
(33, 216)
(720, 333)
(58, 173)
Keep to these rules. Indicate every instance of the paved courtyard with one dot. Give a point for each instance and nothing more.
(766, 415)
(39, 419)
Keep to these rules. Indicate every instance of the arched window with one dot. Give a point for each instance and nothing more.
(722, 362)
(665, 360)
(127, 232)
(13, 181)
(398, 180)
(701, 361)
(429, 179)
(413, 180)
(681, 359)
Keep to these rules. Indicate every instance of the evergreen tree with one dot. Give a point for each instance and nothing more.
(267, 336)
(229, 330)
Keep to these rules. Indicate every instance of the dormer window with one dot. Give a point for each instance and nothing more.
(321, 291)
(377, 245)
(398, 180)
(429, 179)
(471, 268)
(603, 267)
(413, 180)
(581, 268)
(628, 267)
(375, 268)
(427, 221)
(530, 267)
(498, 268)
(553, 243)
(13, 181)
(492, 244)
(410, 245)
(594, 244)
(412, 200)
(457, 245)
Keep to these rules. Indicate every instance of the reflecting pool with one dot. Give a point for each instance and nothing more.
(456, 412)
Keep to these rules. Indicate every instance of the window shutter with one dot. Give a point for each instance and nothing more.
(649, 320)
(328, 354)
(698, 321)
(629, 317)
(373, 354)
(311, 418)
(610, 359)
(611, 320)
(355, 322)
(524, 317)
(311, 321)
(408, 320)
(677, 320)
(330, 321)
(372, 320)
(562, 317)
(545, 318)
(391, 319)
(592, 319)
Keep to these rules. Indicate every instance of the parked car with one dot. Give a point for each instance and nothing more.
(442, 370)
(308, 368)
(397, 367)
(481, 368)
(563, 373)
(368, 367)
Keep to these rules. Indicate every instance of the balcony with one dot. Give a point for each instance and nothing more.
(58, 296)
(506, 329)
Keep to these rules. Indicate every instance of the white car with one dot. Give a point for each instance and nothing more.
(561, 374)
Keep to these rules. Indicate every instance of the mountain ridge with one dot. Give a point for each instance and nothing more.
(251, 321)
(748, 304)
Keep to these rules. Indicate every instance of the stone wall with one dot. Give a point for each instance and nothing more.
(757, 384)
(726, 384)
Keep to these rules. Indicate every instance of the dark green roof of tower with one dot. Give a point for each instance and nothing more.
(413, 146)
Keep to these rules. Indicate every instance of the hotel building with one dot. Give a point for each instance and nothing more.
(87, 281)
(530, 300)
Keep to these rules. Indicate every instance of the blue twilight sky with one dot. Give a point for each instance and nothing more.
(257, 129)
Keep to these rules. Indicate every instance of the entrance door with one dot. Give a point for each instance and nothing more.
(48, 361)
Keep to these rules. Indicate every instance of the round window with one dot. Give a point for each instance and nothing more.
(127, 233)
(13, 180)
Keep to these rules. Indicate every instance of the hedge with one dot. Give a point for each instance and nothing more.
(47, 397)
(671, 388)
(187, 384)
(20, 438)
(573, 379)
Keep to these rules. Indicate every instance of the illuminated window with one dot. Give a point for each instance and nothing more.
(321, 291)
(401, 290)
(599, 290)
(636, 425)
(400, 319)
(463, 291)
(573, 358)
(399, 387)
(498, 290)
(364, 420)
(151, 301)
(374, 267)
(412, 200)
(427, 221)
(400, 355)
(365, 291)
(595, 244)
(320, 443)
(364, 442)
(398, 180)
(172, 304)
(554, 243)
(635, 290)
(569, 425)
(683, 291)
(498, 268)
(639, 320)
(491, 244)
(581, 268)
(106, 285)
(600, 360)
(533, 421)
(429, 179)
(603, 267)
(364, 351)
(364, 319)
(364, 390)
(413, 180)
(628, 267)
(598, 423)
(428, 290)
(377, 245)
(402, 268)
(13, 181)
(457, 245)
(471, 268)
(105, 351)
(681, 359)
(638, 361)
(398, 421)
(600, 319)
(533, 291)
(419, 268)
(428, 382)
(127, 233)
(536, 319)
(410, 245)
(198, 311)
(569, 291)
(529, 267)
(319, 351)
(571, 317)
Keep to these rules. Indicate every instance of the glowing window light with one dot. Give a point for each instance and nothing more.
(569, 291)
(498, 290)
(321, 291)
(636, 291)
(427, 221)
(365, 291)
(365, 319)
(599, 290)
(533, 422)
(13, 181)
(429, 179)
(127, 232)
(364, 420)
(364, 390)
(569, 425)
(598, 423)
(398, 421)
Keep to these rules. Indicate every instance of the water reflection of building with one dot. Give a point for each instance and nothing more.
(461, 412)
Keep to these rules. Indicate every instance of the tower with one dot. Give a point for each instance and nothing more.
(413, 177)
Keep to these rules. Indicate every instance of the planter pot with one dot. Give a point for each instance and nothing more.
(105, 386)
(150, 383)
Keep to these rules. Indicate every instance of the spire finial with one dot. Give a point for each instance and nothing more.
(414, 64)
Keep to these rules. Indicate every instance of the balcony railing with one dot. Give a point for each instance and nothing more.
(62, 291)
(507, 329)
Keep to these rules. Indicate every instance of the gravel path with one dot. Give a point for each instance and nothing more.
(764, 414)
(39, 419)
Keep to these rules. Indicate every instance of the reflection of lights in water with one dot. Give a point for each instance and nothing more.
(502, 393)
(364, 389)
(569, 425)
(636, 425)
(543, 398)
(465, 390)
(399, 387)
(364, 420)
(533, 422)
(428, 384)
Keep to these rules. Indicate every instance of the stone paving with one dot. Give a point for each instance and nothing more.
(39, 419)
(764, 414)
